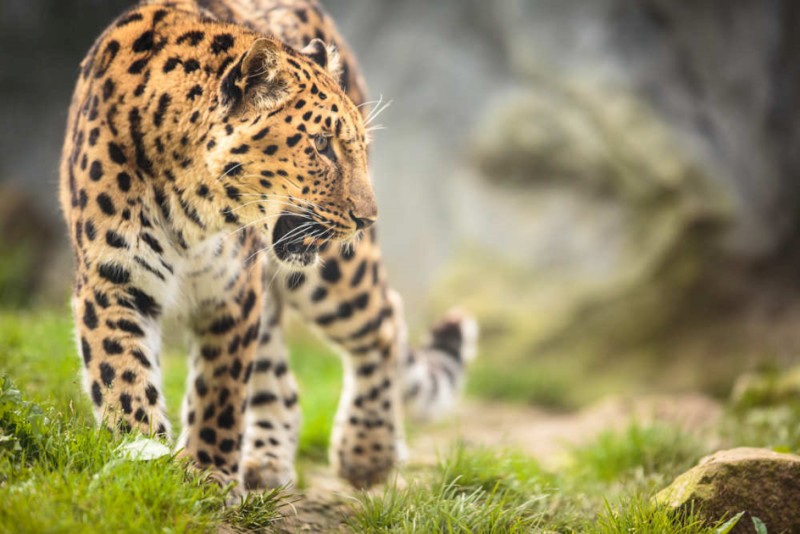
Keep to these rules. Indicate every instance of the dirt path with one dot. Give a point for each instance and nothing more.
(542, 434)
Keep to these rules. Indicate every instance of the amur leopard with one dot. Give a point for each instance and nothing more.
(215, 168)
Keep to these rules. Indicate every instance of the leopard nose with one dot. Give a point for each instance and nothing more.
(363, 222)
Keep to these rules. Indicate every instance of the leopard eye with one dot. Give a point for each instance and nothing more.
(321, 143)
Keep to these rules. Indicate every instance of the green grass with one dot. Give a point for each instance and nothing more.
(79, 481)
(549, 381)
(604, 486)
(637, 452)
(444, 508)
(52, 455)
(38, 351)
(772, 427)
(481, 490)
(544, 385)
(471, 491)
(765, 411)
(639, 514)
(319, 375)
(18, 260)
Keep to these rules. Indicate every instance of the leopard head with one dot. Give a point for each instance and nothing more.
(294, 161)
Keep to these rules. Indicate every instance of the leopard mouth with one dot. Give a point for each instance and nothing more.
(293, 240)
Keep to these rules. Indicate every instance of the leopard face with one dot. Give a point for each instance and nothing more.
(295, 164)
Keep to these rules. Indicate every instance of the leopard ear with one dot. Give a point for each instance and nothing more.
(259, 80)
(325, 56)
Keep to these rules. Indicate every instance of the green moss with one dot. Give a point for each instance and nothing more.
(770, 387)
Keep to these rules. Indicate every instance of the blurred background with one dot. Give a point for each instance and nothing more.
(611, 186)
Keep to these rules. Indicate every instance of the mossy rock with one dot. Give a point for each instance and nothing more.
(772, 388)
(760, 482)
(598, 225)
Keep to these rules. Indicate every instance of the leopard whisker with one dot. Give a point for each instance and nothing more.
(292, 199)
(226, 173)
(373, 108)
(294, 232)
(267, 201)
(369, 102)
(377, 111)
(253, 223)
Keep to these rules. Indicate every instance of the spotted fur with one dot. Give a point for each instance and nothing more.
(215, 168)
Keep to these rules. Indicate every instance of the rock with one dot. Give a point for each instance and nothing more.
(760, 482)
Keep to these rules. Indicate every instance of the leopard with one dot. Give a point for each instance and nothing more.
(215, 176)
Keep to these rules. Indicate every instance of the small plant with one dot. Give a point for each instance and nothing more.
(23, 425)
(486, 469)
(473, 490)
(445, 508)
(256, 511)
(640, 514)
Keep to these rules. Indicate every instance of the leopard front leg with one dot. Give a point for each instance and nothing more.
(118, 331)
(368, 438)
(273, 415)
(347, 298)
(226, 327)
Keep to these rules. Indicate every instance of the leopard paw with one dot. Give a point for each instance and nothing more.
(364, 465)
(269, 473)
